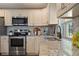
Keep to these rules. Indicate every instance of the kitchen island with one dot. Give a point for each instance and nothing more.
(43, 45)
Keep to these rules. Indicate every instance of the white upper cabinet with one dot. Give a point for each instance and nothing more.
(36, 17)
(18, 12)
(8, 18)
(44, 16)
(1, 13)
(9, 13)
(52, 14)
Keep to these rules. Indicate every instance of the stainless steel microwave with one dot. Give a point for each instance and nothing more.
(20, 20)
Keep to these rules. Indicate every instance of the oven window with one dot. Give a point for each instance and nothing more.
(17, 42)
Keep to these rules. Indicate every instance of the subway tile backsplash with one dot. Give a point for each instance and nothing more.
(12, 28)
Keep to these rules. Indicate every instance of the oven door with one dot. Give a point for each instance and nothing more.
(17, 46)
(16, 42)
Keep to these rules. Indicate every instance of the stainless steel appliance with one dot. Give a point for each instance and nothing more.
(17, 41)
(20, 20)
(17, 45)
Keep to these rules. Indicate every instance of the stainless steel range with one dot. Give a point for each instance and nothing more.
(17, 45)
(17, 41)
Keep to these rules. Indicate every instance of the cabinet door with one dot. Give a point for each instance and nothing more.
(4, 45)
(34, 18)
(16, 12)
(44, 16)
(37, 45)
(53, 16)
(30, 45)
(8, 18)
(1, 13)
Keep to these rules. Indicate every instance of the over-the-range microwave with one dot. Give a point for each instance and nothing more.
(19, 20)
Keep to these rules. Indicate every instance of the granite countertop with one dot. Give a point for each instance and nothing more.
(46, 37)
(49, 48)
(75, 51)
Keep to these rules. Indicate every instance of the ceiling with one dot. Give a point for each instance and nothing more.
(23, 5)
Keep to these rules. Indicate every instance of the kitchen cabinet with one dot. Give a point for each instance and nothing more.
(53, 14)
(37, 44)
(30, 45)
(18, 12)
(38, 17)
(1, 12)
(9, 13)
(34, 18)
(33, 45)
(4, 45)
(8, 18)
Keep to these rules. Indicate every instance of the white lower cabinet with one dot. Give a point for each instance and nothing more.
(8, 17)
(37, 45)
(4, 45)
(32, 45)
